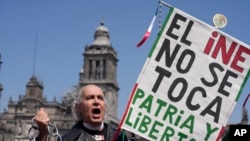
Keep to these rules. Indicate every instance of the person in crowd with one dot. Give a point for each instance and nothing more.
(90, 108)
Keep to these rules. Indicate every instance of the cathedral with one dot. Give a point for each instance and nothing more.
(99, 67)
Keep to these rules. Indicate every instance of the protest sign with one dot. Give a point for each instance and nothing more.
(189, 84)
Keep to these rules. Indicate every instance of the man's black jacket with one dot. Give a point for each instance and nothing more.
(76, 133)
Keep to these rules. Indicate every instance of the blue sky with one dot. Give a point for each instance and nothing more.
(64, 27)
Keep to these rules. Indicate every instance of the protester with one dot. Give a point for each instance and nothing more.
(90, 108)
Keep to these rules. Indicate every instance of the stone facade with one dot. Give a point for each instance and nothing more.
(99, 67)
(17, 120)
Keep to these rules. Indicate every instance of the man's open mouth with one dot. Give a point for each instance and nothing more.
(96, 111)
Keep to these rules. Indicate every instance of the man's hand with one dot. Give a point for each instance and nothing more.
(42, 120)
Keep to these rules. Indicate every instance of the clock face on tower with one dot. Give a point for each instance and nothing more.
(32, 92)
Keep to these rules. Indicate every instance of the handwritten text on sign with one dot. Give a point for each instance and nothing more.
(189, 84)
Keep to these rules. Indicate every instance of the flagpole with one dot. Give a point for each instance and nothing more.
(162, 2)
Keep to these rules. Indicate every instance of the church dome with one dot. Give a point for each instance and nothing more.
(102, 28)
(101, 37)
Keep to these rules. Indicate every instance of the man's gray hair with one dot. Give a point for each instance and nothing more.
(78, 114)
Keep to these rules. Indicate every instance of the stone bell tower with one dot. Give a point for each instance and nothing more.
(100, 68)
